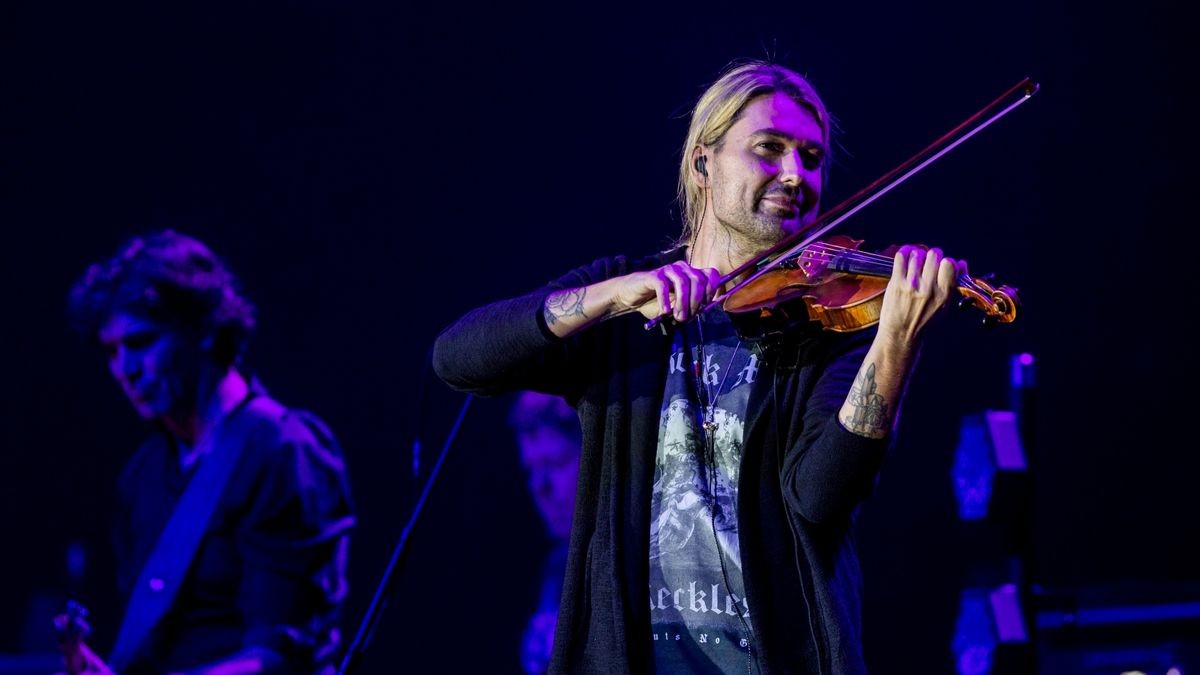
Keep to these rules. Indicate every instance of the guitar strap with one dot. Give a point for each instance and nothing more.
(167, 567)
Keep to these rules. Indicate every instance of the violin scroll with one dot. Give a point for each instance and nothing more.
(998, 303)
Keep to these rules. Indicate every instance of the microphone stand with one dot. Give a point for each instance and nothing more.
(366, 629)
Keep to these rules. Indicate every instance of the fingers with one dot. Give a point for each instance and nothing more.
(662, 292)
(906, 267)
(913, 269)
(948, 273)
(690, 289)
(926, 271)
(929, 273)
(679, 285)
(900, 264)
(939, 276)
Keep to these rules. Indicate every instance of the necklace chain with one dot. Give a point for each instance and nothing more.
(708, 426)
(708, 406)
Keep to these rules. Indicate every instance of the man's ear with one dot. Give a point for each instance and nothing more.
(700, 165)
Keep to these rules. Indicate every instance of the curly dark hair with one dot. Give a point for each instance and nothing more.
(170, 278)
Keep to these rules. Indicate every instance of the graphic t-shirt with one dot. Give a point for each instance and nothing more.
(699, 614)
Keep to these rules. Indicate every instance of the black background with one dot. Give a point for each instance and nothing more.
(372, 169)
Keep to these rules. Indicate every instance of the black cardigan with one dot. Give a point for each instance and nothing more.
(802, 476)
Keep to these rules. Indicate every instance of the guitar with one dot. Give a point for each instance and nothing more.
(73, 628)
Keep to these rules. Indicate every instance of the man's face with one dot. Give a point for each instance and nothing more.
(766, 173)
(156, 365)
(552, 462)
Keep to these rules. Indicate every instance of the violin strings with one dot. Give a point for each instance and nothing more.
(845, 253)
(814, 252)
(854, 255)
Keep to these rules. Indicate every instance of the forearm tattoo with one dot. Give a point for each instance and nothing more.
(563, 304)
(870, 416)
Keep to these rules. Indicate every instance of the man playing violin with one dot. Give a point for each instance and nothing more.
(236, 508)
(719, 476)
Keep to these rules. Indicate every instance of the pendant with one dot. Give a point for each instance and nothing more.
(710, 426)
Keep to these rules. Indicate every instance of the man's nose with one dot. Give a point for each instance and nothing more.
(791, 168)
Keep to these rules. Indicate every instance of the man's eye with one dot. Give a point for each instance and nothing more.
(771, 146)
(812, 160)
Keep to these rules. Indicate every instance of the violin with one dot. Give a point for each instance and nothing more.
(835, 284)
(807, 279)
